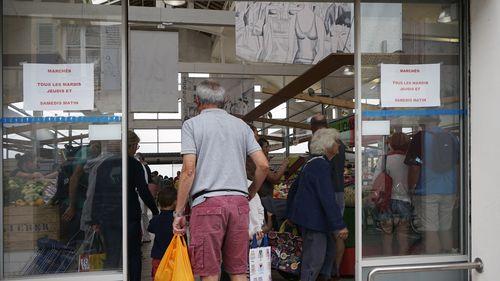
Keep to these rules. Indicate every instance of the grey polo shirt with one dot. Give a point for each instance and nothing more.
(221, 143)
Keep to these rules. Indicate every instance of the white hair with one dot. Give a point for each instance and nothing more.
(322, 140)
(210, 92)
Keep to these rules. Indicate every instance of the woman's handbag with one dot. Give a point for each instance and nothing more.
(382, 189)
(286, 250)
(175, 264)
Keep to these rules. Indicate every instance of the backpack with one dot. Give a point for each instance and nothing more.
(442, 155)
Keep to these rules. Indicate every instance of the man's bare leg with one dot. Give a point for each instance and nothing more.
(210, 278)
(239, 277)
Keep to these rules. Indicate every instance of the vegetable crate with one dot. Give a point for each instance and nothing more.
(24, 225)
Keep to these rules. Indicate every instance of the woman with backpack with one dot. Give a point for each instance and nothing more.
(396, 213)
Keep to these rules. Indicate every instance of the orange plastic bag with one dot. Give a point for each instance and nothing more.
(175, 264)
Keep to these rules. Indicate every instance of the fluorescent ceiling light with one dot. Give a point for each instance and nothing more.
(97, 2)
(257, 88)
(445, 16)
(348, 70)
(299, 101)
(175, 2)
(199, 75)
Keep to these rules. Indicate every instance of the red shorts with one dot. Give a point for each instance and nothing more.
(155, 263)
(219, 234)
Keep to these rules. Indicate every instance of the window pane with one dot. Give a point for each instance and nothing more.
(148, 148)
(300, 148)
(170, 135)
(170, 147)
(412, 129)
(145, 116)
(64, 77)
(148, 135)
(279, 112)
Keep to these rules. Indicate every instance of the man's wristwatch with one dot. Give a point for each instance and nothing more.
(178, 214)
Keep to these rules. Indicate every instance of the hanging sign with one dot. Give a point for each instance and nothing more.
(58, 86)
(410, 85)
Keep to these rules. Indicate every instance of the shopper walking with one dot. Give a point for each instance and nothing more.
(395, 220)
(214, 149)
(315, 210)
(318, 121)
(434, 158)
(146, 238)
(107, 208)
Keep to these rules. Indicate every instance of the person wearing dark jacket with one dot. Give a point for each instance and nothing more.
(160, 225)
(337, 164)
(314, 209)
(107, 208)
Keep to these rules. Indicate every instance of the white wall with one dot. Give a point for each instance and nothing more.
(485, 148)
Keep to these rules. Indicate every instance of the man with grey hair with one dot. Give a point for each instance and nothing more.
(214, 149)
(315, 210)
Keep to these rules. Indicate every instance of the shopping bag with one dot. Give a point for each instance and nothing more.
(382, 189)
(93, 256)
(259, 261)
(286, 250)
(175, 264)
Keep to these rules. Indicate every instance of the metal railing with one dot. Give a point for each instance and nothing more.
(477, 265)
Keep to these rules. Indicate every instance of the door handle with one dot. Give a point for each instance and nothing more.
(477, 264)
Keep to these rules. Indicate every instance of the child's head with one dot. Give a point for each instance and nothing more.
(167, 197)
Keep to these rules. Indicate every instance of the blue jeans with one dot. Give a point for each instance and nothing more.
(318, 255)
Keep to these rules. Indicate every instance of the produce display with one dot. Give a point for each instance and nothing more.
(281, 190)
(22, 192)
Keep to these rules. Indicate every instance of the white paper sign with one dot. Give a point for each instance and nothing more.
(376, 128)
(105, 132)
(58, 86)
(410, 85)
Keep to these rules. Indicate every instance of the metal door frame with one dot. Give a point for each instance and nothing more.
(420, 262)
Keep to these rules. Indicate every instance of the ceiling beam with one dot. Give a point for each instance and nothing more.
(314, 74)
(318, 99)
(284, 123)
(268, 69)
(63, 139)
(111, 13)
(278, 122)
(273, 138)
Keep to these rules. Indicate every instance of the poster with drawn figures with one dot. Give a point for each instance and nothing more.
(292, 32)
(306, 32)
(239, 96)
(259, 261)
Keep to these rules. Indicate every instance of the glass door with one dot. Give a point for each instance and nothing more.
(62, 140)
(411, 148)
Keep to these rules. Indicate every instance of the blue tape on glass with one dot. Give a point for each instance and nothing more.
(415, 112)
(60, 119)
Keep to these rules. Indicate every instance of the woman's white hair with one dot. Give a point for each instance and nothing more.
(322, 140)
(210, 92)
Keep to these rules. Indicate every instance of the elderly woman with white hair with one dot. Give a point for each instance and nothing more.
(314, 209)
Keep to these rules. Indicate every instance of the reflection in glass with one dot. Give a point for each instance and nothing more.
(52, 161)
(411, 171)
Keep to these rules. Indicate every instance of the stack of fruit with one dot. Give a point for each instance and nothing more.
(21, 192)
